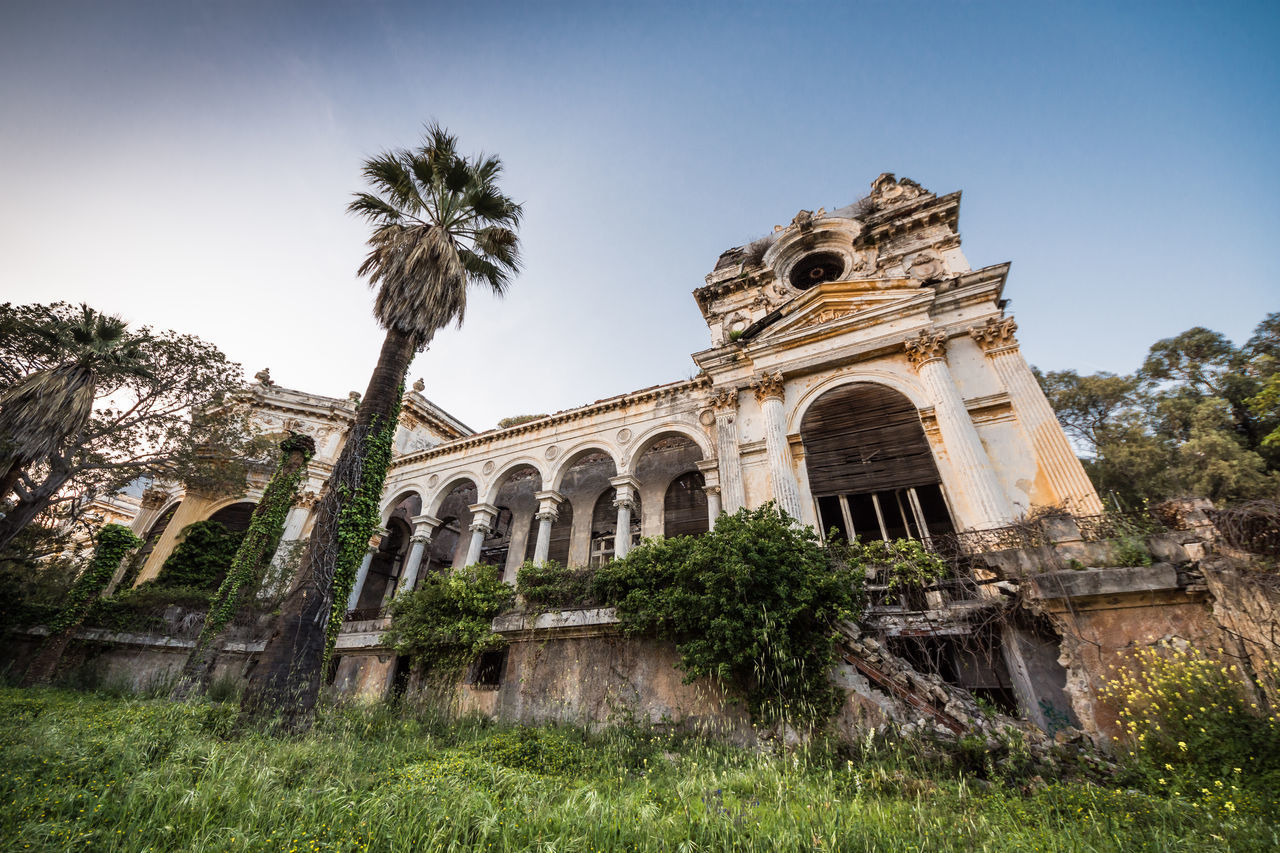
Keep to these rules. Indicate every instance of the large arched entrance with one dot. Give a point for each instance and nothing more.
(871, 470)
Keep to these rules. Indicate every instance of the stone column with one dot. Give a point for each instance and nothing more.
(978, 481)
(482, 516)
(1053, 452)
(724, 402)
(713, 506)
(423, 527)
(548, 512)
(294, 522)
(625, 501)
(363, 572)
(786, 491)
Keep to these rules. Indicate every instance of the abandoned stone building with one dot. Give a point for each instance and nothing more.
(861, 375)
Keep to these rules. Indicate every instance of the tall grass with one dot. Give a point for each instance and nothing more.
(105, 773)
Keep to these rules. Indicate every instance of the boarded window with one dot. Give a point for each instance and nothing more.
(684, 509)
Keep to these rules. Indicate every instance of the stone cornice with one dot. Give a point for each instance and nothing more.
(657, 392)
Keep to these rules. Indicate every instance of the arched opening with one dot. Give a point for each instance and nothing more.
(561, 533)
(455, 509)
(871, 470)
(671, 485)
(604, 527)
(444, 544)
(384, 569)
(584, 483)
(684, 507)
(154, 532)
(236, 517)
(515, 525)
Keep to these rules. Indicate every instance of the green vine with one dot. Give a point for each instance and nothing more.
(114, 541)
(359, 517)
(261, 537)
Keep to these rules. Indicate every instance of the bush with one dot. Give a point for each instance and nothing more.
(201, 559)
(142, 608)
(551, 585)
(446, 621)
(756, 602)
(1184, 712)
(540, 751)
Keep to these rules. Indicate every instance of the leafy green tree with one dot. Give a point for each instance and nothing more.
(440, 223)
(156, 403)
(1194, 420)
(756, 602)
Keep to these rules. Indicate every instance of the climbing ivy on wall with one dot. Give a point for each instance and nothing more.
(360, 517)
(256, 547)
(114, 541)
(200, 559)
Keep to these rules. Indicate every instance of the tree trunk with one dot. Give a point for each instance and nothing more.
(12, 523)
(286, 681)
(45, 663)
(197, 672)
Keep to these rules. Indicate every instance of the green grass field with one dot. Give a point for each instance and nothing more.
(95, 772)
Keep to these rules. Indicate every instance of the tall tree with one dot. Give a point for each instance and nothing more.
(89, 407)
(440, 223)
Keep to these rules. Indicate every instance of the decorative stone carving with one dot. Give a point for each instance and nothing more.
(419, 385)
(995, 334)
(488, 468)
(264, 377)
(825, 316)
(354, 397)
(624, 435)
(154, 498)
(724, 399)
(706, 417)
(433, 481)
(307, 499)
(887, 189)
(552, 452)
(925, 266)
(767, 385)
(925, 347)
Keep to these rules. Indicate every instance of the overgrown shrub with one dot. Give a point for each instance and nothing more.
(201, 558)
(446, 621)
(548, 585)
(1187, 714)
(755, 602)
(547, 753)
(142, 608)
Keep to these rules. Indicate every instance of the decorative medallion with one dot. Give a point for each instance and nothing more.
(433, 481)
(552, 452)
(624, 435)
(488, 468)
(707, 417)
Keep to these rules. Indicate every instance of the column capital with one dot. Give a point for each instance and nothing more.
(425, 521)
(996, 336)
(925, 347)
(550, 515)
(711, 490)
(624, 482)
(724, 400)
(549, 495)
(482, 516)
(767, 386)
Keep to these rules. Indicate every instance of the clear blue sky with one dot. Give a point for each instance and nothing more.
(187, 165)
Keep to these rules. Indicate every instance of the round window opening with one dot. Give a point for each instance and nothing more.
(815, 269)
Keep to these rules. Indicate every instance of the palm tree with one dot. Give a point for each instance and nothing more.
(440, 224)
(39, 412)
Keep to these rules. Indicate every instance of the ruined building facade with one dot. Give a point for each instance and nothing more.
(860, 374)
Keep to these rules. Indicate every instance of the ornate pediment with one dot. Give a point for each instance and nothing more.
(848, 303)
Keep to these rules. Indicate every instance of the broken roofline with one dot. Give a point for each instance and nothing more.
(653, 392)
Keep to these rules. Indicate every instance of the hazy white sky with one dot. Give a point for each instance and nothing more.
(187, 165)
